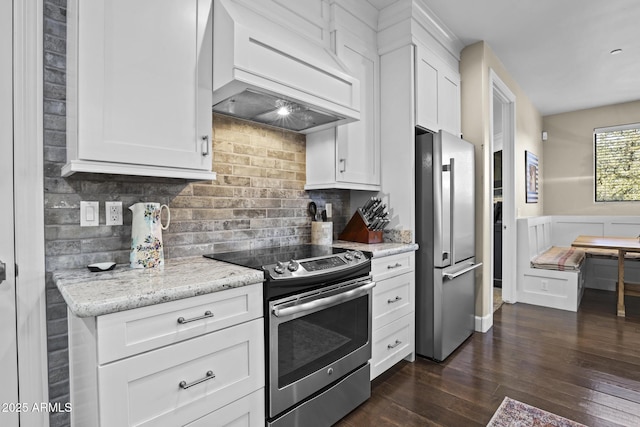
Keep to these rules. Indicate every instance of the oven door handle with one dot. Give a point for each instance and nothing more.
(321, 302)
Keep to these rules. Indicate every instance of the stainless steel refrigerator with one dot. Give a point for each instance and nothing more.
(445, 231)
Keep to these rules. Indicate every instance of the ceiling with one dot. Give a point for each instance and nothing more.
(557, 51)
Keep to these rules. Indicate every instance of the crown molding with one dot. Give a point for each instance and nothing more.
(411, 21)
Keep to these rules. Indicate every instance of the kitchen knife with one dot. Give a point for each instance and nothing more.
(379, 210)
(368, 204)
(372, 208)
(367, 207)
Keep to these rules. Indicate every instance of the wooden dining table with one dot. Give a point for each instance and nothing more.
(622, 245)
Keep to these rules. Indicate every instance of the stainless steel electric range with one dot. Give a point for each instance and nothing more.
(317, 330)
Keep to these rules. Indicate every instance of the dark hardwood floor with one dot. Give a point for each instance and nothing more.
(584, 366)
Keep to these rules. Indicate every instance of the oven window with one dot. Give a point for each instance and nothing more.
(311, 342)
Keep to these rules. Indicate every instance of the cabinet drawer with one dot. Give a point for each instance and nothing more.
(393, 265)
(132, 332)
(391, 343)
(392, 299)
(146, 390)
(245, 412)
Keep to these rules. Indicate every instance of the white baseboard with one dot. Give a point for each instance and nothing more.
(483, 324)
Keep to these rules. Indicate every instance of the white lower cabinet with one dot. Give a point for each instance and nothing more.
(391, 344)
(393, 312)
(392, 299)
(216, 374)
(245, 412)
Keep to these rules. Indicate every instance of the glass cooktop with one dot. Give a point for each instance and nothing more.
(257, 258)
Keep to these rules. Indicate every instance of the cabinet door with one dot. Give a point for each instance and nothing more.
(449, 101)
(245, 412)
(131, 332)
(392, 299)
(437, 93)
(426, 90)
(180, 383)
(145, 82)
(393, 265)
(392, 343)
(358, 144)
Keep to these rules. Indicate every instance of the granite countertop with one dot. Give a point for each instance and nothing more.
(123, 288)
(377, 249)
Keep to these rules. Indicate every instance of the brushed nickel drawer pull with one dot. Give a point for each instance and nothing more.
(183, 384)
(396, 299)
(394, 345)
(207, 314)
(394, 266)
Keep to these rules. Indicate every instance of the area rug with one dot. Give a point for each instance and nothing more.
(513, 413)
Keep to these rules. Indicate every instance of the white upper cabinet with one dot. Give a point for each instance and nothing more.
(358, 144)
(437, 93)
(139, 88)
(349, 156)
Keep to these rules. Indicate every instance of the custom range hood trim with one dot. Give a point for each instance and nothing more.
(252, 53)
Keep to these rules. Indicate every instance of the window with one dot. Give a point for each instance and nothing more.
(617, 163)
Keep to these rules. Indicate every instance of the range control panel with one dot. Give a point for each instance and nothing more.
(314, 266)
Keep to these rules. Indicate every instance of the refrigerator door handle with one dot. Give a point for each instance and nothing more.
(447, 215)
(452, 276)
(452, 209)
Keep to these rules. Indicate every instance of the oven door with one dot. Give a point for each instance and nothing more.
(315, 339)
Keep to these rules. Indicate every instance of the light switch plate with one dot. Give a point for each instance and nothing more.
(89, 214)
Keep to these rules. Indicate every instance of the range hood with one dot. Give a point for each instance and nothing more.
(266, 73)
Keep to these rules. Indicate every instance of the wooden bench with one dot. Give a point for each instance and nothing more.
(554, 286)
(601, 269)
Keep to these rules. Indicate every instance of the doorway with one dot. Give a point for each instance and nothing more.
(502, 134)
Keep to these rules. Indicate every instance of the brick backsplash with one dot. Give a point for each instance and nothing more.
(258, 199)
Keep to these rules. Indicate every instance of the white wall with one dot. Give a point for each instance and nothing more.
(475, 62)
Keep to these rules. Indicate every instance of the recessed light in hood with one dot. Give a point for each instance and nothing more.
(268, 109)
(260, 66)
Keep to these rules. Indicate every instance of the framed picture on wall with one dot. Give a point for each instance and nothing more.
(531, 176)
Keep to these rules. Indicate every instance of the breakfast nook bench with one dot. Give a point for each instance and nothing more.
(548, 275)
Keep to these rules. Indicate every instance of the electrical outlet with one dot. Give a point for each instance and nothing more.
(89, 214)
(113, 213)
(545, 285)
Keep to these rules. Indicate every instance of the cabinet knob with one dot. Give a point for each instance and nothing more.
(343, 165)
(205, 145)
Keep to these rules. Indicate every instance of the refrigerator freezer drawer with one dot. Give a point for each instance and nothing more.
(458, 313)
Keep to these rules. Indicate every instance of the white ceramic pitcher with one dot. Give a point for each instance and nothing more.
(146, 235)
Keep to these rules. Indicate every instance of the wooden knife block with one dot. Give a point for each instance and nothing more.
(356, 231)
